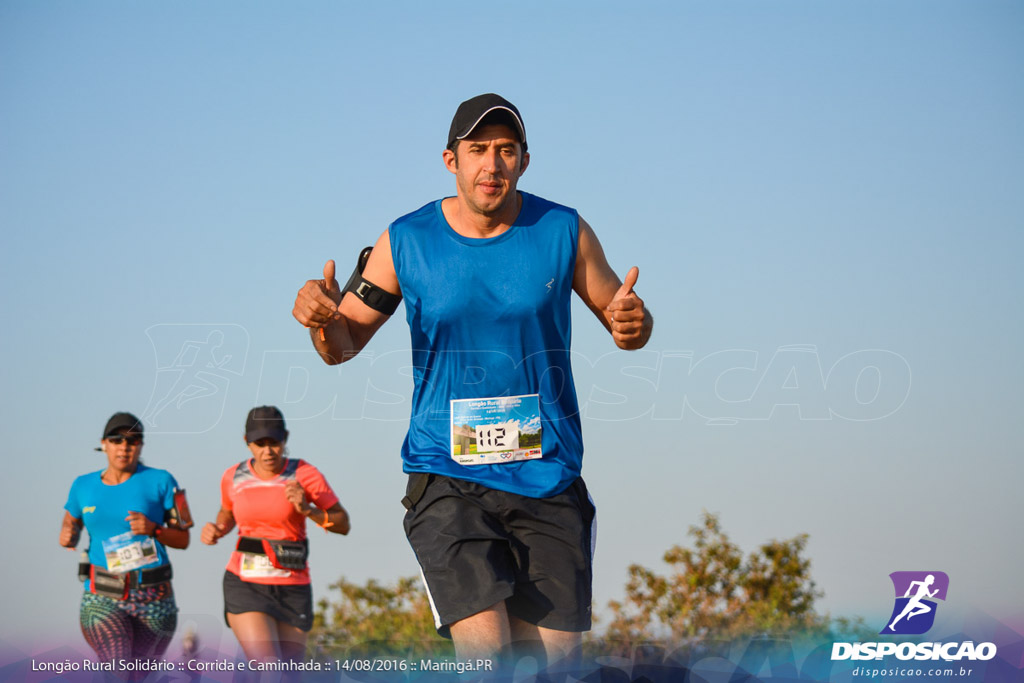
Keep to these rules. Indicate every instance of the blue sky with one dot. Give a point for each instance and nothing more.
(824, 200)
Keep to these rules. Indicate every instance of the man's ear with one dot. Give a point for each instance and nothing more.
(526, 162)
(451, 161)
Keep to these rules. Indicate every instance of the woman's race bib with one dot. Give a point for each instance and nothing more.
(126, 552)
(253, 566)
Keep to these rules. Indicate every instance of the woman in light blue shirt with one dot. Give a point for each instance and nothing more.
(132, 513)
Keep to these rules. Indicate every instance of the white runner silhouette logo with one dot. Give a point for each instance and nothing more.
(914, 610)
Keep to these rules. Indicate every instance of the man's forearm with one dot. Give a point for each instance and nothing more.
(333, 342)
(341, 340)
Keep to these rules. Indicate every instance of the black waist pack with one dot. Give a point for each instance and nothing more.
(116, 586)
(282, 554)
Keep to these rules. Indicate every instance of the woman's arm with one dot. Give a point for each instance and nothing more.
(70, 530)
(170, 536)
(214, 531)
(333, 519)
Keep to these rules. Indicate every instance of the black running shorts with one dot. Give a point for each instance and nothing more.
(290, 604)
(478, 546)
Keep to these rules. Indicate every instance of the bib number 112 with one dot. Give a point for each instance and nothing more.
(496, 437)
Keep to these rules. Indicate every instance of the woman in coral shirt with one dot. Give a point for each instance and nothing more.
(268, 602)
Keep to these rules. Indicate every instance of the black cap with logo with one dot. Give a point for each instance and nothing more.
(494, 108)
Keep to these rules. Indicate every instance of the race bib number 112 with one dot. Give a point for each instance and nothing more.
(491, 431)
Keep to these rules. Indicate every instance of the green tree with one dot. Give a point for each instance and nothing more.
(377, 619)
(712, 590)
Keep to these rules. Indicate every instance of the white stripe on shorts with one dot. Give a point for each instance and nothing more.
(430, 599)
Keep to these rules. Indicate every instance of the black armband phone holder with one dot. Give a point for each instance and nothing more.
(370, 294)
(179, 516)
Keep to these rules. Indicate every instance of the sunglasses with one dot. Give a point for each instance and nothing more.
(130, 440)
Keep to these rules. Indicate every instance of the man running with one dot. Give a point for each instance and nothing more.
(498, 516)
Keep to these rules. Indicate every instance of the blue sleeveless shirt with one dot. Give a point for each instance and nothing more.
(490, 319)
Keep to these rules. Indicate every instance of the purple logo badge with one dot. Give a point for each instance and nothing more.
(916, 592)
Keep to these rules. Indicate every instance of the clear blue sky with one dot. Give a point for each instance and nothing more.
(824, 200)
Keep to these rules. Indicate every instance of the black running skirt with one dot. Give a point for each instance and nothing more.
(290, 604)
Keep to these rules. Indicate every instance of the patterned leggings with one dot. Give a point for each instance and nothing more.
(140, 627)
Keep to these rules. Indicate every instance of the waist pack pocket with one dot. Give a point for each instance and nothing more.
(108, 585)
(286, 554)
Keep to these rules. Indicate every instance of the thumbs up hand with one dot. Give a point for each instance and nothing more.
(627, 319)
(316, 304)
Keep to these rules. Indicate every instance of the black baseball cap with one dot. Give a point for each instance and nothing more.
(489, 106)
(265, 422)
(119, 421)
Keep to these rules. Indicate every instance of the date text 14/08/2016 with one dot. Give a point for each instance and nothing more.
(458, 667)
